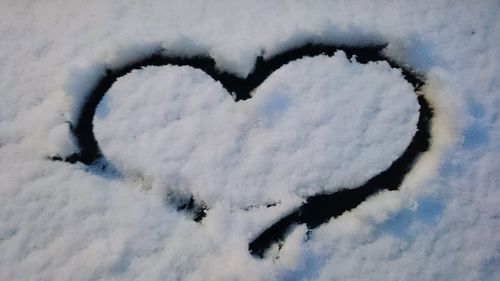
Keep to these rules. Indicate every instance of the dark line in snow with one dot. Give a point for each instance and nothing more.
(317, 209)
(320, 208)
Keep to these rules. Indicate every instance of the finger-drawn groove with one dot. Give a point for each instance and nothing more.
(317, 209)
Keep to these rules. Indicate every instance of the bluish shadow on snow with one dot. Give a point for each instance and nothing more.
(450, 168)
(400, 224)
(122, 263)
(308, 269)
(429, 209)
(7, 232)
(274, 107)
(102, 109)
(420, 55)
(415, 52)
(476, 134)
(475, 108)
(104, 168)
(490, 269)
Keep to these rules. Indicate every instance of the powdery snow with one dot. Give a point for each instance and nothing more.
(185, 133)
(61, 221)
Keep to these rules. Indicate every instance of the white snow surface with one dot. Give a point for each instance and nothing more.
(185, 133)
(61, 221)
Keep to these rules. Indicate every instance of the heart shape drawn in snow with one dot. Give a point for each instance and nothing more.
(324, 128)
(315, 125)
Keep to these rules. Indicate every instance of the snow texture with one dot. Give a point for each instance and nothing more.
(185, 133)
(60, 221)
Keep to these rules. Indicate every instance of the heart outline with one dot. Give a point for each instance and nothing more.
(317, 209)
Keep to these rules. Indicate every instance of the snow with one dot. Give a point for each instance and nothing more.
(61, 221)
(185, 132)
